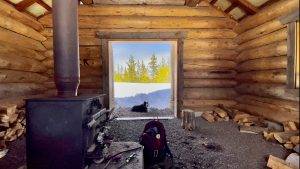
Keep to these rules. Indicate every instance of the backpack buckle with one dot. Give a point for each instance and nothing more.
(155, 153)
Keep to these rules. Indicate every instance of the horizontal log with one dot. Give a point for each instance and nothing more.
(113, 22)
(209, 93)
(266, 76)
(10, 76)
(269, 13)
(212, 83)
(90, 85)
(274, 49)
(19, 89)
(21, 63)
(95, 62)
(19, 100)
(10, 11)
(20, 40)
(207, 103)
(267, 90)
(270, 114)
(146, 10)
(10, 50)
(268, 102)
(89, 91)
(276, 36)
(90, 71)
(210, 54)
(13, 25)
(189, 33)
(259, 31)
(279, 62)
(85, 52)
(209, 74)
(83, 41)
(209, 44)
(209, 65)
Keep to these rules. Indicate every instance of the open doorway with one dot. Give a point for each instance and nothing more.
(143, 72)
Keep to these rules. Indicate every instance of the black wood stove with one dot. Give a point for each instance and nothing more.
(65, 132)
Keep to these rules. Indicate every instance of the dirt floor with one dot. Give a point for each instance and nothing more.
(212, 146)
(152, 112)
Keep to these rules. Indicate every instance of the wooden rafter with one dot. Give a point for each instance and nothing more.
(192, 3)
(87, 2)
(43, 4)
(246, 6)
(213, 2)
(230, 8)
(21, 6)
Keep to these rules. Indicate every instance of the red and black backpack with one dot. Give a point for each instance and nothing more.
(154, 140)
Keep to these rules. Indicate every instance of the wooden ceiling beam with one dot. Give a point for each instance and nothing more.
(230, 8)
(43, 4)
(21, 6)
(213, 2)
(246, 6)
(192, 3)
(87, 2)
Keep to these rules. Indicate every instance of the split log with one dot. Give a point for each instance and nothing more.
(269, 13)
(267, 90)
(147, 10)
(279, 62)
(210, 54)
(271, 114)
(21, 63)
(9, 110)
(20, 40)
(270, 50)
(289, 126)
(209, 74)
(267, 76)
(10, 11)
(252, 129)
(19, 89)
(114, 22)
(295, 139)
(283, 137)
(18, 27)
(293, 160)
(208, 116)
(221, 113)
(259, 31)
(277, 163)
(189, 33)
(222, 83)
(210, 44)
(268, 102)
(277, 36)
(209, 93)
(83, 41)
(10, 50)
(209, 65)
(207, 103)
(10, 76)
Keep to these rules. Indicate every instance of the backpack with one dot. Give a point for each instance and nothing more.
(156, 150)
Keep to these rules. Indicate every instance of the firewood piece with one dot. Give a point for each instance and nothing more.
(289, 126)
(273, 126)
(277, 163)
(240, 116)
(208, 116)
(221, 113)
(283, 137)
(269, 136)
(8, 109)
(293, 160)
(297, 148)
(252, 129)
(289, 146)
(295, 139)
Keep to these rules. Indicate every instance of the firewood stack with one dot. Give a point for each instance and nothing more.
(12, 122)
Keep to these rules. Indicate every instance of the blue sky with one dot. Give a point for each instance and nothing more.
(140, 51)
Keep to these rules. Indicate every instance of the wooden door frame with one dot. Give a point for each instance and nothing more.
(106, 37)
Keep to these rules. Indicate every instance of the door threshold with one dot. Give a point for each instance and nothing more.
(145, 118)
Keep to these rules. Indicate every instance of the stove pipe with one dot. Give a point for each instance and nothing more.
(66, 48)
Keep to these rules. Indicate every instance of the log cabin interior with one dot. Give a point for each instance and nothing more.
(237, 92)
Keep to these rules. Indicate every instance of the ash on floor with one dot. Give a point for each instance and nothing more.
(152, 112)
(218, 145)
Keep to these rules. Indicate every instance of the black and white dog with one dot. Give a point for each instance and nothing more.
(140, 108)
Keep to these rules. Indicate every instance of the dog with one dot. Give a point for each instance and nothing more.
(140, 108)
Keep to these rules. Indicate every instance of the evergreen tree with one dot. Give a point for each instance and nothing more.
(131, 70)
(144, 76)
(153, 66)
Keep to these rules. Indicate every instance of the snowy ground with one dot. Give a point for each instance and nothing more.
(132, 89)
(158, 95)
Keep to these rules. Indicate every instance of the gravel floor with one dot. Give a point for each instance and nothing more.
(228, 148)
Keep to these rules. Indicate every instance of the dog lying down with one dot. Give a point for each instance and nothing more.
(140, 108)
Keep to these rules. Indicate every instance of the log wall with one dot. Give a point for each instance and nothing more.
(22, 73)
(262, 65)
(209, 55)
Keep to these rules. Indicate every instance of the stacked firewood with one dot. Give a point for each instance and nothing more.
(12, 122)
